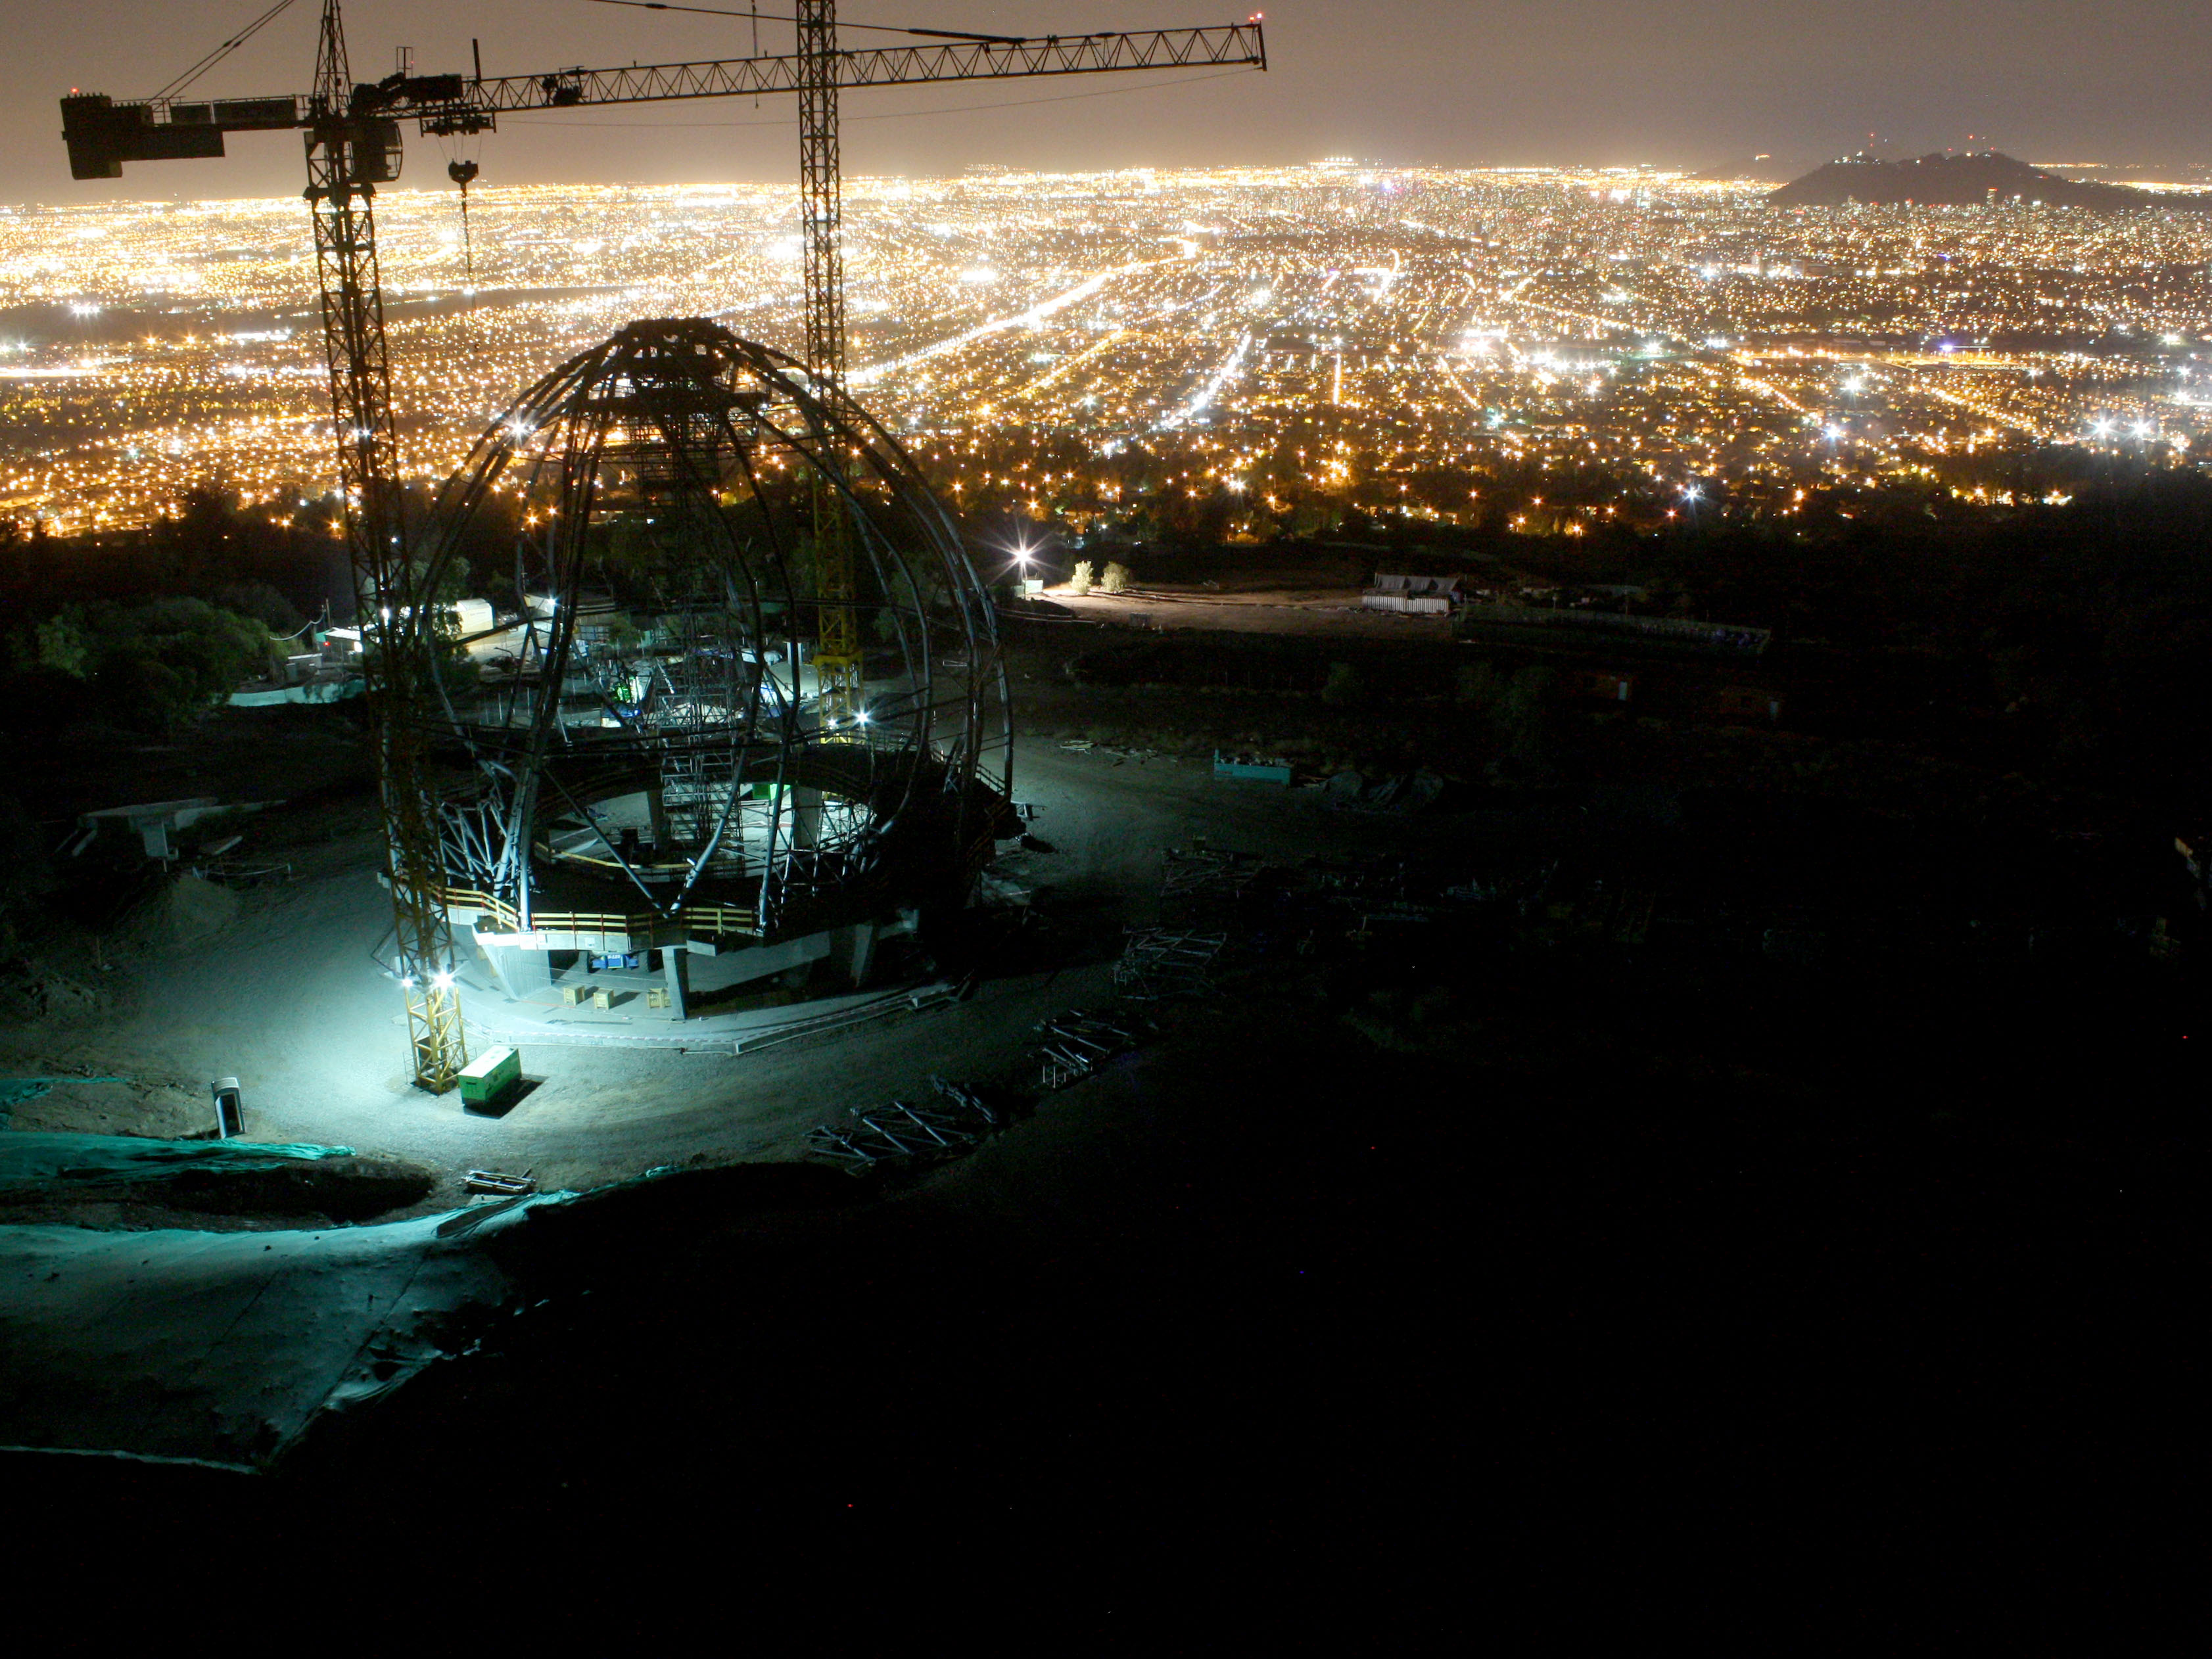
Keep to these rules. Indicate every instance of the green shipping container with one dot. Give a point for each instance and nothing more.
(490, 1075)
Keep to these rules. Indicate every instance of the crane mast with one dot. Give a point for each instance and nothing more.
(353, 145)
(837, 659)
(349, 155)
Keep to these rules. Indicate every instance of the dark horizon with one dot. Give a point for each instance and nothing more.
(1398, 82)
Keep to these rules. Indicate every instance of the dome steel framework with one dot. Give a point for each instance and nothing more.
(650, 743)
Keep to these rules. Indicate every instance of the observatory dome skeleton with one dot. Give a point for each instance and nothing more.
(654, 761)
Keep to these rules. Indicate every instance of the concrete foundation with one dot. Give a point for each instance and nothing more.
(521, 973)
(860, 953)
(763, 960)
(806, 816)
(674, 965)
(526, 974)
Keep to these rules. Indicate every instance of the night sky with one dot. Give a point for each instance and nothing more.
(1698, 83)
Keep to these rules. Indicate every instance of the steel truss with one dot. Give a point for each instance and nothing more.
(674, 468)
(454, 98)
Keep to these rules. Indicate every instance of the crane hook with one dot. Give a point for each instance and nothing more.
(461, 172)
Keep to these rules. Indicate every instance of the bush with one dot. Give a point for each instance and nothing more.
(1080, 583)
(155, 666)
(258, 600)
(62, 648)
(1117, 578)
(1343, 687)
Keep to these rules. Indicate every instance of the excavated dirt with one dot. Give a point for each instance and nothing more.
(163, 1108)
(327, 1192)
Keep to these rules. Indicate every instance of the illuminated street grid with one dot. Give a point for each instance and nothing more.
(1397, 341)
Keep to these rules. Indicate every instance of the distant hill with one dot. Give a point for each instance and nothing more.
(1953, 180)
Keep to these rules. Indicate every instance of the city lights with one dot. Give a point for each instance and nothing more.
(1085, 346)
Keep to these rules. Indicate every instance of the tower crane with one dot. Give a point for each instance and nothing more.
(353, 145)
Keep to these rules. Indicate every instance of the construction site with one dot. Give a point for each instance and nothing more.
(783, 1030)
(696, 854)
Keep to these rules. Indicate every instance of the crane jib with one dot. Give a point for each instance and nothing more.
(102, 134)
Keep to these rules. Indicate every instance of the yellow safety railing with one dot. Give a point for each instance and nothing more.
(700, 918)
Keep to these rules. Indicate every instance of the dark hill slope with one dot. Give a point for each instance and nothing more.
(1944, 181)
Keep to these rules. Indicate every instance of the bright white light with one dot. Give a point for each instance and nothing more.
(442, 980)
(1690, 493)
(2143, 428)
(2102, 427)
(1854, 383)
(978, 276)
(1833, 433)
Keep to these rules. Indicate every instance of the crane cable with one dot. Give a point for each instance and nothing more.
(220, 52)
(756, 14)
(461, 172)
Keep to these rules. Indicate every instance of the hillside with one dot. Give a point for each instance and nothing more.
(1955, 180)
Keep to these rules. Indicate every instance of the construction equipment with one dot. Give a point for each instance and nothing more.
(353, 146)
(1159, 963)
(1075, 1044)
(499, 1183)
(957, 1122)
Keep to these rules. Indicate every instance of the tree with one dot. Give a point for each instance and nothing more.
(1523, 716)
(156, 665)
(62, 647)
